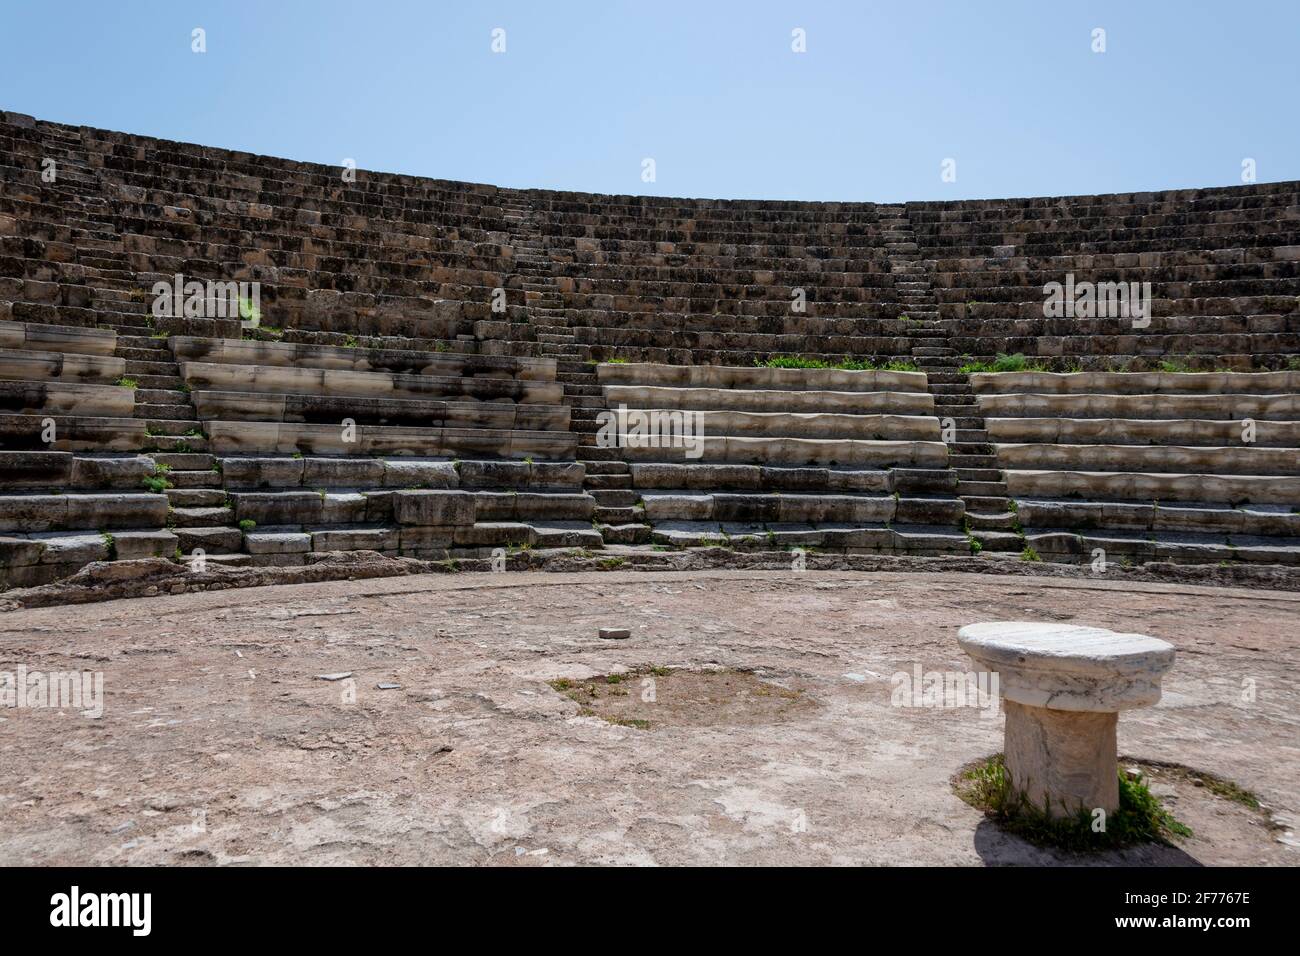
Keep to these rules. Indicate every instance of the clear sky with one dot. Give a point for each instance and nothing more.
(711, 90)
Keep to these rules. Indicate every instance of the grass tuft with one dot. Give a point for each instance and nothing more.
(986, 786)
(1005, 363)
(846, 364)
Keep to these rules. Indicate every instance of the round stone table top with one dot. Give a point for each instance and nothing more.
(1069, 666)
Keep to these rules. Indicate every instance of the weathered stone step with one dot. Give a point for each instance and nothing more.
(173, 426)
(986, 504)
(141, 355)
(613, 497)
(184, 461)
(616, 516)
(607, 481)
(606, 467)
(968, 475)
(995, 521)
(199, 517)
(177, 443)
(124, 322)
(629, 534)
(171, 412)
(195, 479)
(143, 342)
(213, 540)
(972, 461)
(196, 497)
(135, 368)
(981, 489)
(169, 383)
(161, 396)
(995, 540)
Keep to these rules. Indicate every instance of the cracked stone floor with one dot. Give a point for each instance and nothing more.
(221, 741)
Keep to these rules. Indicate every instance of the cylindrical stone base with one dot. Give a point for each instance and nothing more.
(1064, 759)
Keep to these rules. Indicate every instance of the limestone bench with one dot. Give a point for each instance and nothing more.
(296, 355)
(337, 382)
(57, 338)
(38, 366)
(322, 409)
(1062, 686)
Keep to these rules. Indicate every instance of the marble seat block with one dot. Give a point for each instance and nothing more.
(433, 508)
(1063, 686)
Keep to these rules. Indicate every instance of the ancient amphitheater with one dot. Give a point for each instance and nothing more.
(472, 336)
(220, 371)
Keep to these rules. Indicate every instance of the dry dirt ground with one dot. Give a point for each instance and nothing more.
(753, 723)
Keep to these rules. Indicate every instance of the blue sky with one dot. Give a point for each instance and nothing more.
(710, 90)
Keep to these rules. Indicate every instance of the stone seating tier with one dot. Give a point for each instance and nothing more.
(1209, 472)
(856, 465)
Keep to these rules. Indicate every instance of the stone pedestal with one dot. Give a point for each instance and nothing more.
(1062, 687)
(1062, 756)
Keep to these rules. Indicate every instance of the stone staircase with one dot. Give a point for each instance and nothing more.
(198, 511)
(609, 481)
(990, 519)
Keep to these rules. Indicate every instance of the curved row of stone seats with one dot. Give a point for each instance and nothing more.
(1137, 383)
(977, 223)
(319, 409)
(1150, 466)
(46, 338)
(294, 355)
(38, 366)
(61, 512)
(244, 437)
(61, 398)
(400, 385)
(654, 346)
(48, 468)
(761, 377)
(1218, 435)
(762, 457)
(73, 433)
(425, 508)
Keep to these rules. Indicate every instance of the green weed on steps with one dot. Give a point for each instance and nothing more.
(846, 364)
